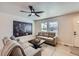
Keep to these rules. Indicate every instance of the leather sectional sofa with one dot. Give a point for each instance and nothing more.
(49, 37)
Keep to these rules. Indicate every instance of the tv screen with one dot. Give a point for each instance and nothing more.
(21, 28)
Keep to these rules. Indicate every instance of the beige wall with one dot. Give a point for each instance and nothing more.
(37, 27)
(65, 22)
(65, 29)
(6, 24)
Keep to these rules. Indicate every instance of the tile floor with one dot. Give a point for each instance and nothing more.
(59, 50)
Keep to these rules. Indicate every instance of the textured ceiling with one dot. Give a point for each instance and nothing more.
(50, 9)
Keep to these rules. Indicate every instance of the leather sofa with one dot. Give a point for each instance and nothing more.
(49, 37)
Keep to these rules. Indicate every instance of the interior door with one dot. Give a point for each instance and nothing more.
(76, 32)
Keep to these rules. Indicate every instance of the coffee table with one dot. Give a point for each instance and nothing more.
(41, 42)
(37, 44)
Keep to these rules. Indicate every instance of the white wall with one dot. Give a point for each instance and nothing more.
(65, 34)
(6, 24)
(65, 29)
(37, 26)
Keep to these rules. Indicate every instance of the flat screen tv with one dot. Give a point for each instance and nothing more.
(21, 28)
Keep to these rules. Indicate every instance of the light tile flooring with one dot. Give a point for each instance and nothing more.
(59, 50)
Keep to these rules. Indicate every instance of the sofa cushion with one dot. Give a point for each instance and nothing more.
(45, 34)
(51, 35)
(49, 38)
(42, 37)
(40, 33)
(46, 38)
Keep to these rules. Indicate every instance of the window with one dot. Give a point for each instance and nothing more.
(44, 26)
(53, 26)
(49, 26)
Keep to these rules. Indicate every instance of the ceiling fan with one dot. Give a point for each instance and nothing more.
(32, 11)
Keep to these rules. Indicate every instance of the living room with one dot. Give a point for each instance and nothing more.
(49, 28)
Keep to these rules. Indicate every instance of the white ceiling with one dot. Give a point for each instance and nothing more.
(50, 9)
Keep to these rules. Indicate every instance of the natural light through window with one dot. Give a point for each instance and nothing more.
(49, 26)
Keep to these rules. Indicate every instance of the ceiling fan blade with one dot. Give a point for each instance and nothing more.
(29, 14)
(24, 11)
(31, 8)
(39, 12)
(37, 15)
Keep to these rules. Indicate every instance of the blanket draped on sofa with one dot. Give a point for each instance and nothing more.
(12, 48)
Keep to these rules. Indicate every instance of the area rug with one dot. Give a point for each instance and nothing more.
(47, 50)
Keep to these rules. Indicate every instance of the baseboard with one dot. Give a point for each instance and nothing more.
(65, 44)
